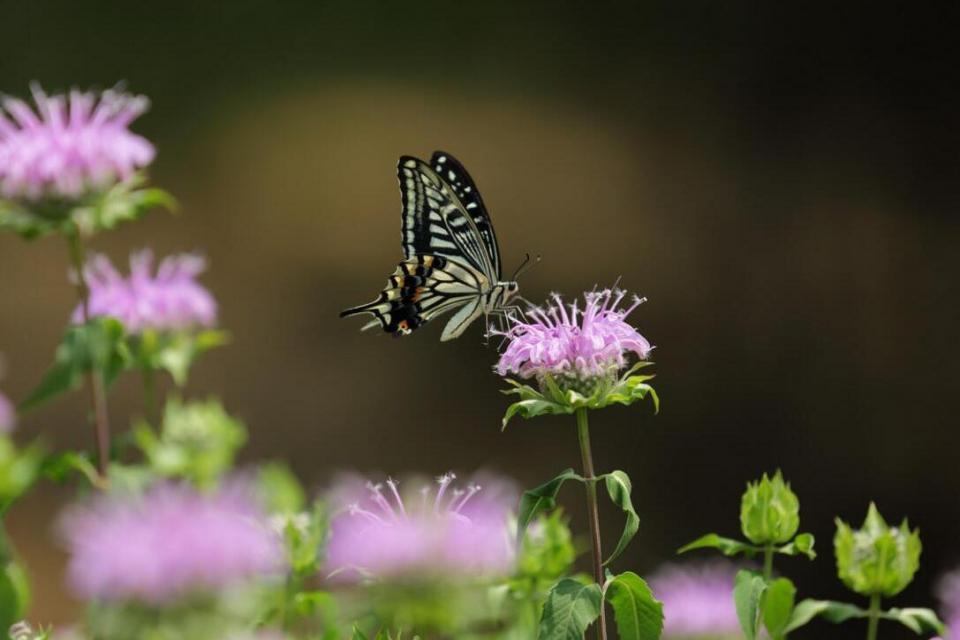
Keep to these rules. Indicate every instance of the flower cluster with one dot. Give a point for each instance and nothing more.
(697, 600)
(169, 543)
(576, 348)
(170, 300)
(70, 145)
(446, 532)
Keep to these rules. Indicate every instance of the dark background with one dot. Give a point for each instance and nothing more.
(781, 184)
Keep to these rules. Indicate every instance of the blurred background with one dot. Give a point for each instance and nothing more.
(781, 185)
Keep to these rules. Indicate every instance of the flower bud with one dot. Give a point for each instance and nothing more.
(769, 511)
(877, 558)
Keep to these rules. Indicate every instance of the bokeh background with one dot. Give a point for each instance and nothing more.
(781, 184)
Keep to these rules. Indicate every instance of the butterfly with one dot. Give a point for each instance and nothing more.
(451, 256)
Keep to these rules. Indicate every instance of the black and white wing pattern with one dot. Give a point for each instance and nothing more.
(436, 222)
(452, 261)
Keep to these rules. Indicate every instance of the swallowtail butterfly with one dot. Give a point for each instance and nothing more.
(451, 257)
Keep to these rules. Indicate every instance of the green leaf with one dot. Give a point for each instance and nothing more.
(14, 594)
(569, 609)
(727, 546)
(540, 499)
(835, 612)
(124, 202)
(58, 468)
(748, 589)
(619, 488)
(357, 634)
(638, 614)
(916, 619)
(802, 544)
(96, 346)
(777, 606)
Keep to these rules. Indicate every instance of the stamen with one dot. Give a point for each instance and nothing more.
(444, 482)
(356, 510)
(396, 495)
(472, 490)
(376, 492)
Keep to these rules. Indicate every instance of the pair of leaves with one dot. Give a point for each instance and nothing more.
(97, 347)
(919, 620)
(800, 545)
(758, 602)
(553, 400)
(544, 498)
(571, 607)
(125, 201)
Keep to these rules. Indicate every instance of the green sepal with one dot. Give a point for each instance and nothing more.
(619, 488)
(553, 400)
(569, 609)
(540, 499)
(726, 546)
(638, 614)
(802, 544)
(877, 558)
(97, 346)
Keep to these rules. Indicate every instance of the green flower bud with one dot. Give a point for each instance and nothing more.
(769, 511)
(877, 559)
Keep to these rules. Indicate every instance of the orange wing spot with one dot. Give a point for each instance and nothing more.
(403, 325)
(416, 295)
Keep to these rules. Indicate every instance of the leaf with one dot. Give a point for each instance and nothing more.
(96, 346)
(748, 589)
(539, 499)
(57, 468)
(124, 202)
(619, 488)
(777, 606)
(829, 610)
(802, 544)
(916, 619)
(357, 634)
(727, 546)
(569, 609)
(638, 614)
(531, 408)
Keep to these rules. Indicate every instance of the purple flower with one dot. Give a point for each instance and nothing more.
(8, 415)
(170, 300)
(444, 533)
(70, 145)
(169, 543)
(568, 344)
(697, 600)
(948, 591)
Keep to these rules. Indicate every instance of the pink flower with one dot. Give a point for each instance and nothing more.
(448, 533)
(70, 145)
(8, 415)
(948, 591)
(697, 600)
(170, 300)
(569, 343)
(169, 543)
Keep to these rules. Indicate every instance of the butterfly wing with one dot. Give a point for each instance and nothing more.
(421, 289)
(454, 174)
(436, 222)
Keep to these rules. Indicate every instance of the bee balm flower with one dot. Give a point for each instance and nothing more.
(948, 591)
(444, 533)
(70, 145)
(169, 300)
(697, 601)
(7, 415)
(169, 543)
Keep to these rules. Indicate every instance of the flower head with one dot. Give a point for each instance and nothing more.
(168, 543)
(70, 144)
(574, 347)
(697, 601)
(446, 532)
(170, 300)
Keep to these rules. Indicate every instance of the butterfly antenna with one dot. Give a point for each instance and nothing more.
(524, 266)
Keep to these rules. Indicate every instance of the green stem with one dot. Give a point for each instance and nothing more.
(98, 396)
(768, 562)
(873, 617)
(583, 432)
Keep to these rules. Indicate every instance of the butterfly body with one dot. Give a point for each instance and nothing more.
(452, 259)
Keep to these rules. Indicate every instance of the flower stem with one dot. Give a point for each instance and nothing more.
(583, 432)
(873, 617)
(98, 396)
(768, 561)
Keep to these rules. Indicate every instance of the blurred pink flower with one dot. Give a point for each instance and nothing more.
(948, 591)
(697, 600)
(170, 542)
(171, 300)
(8, 415)
(444, 533)
(571, 343)
(70, 144)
